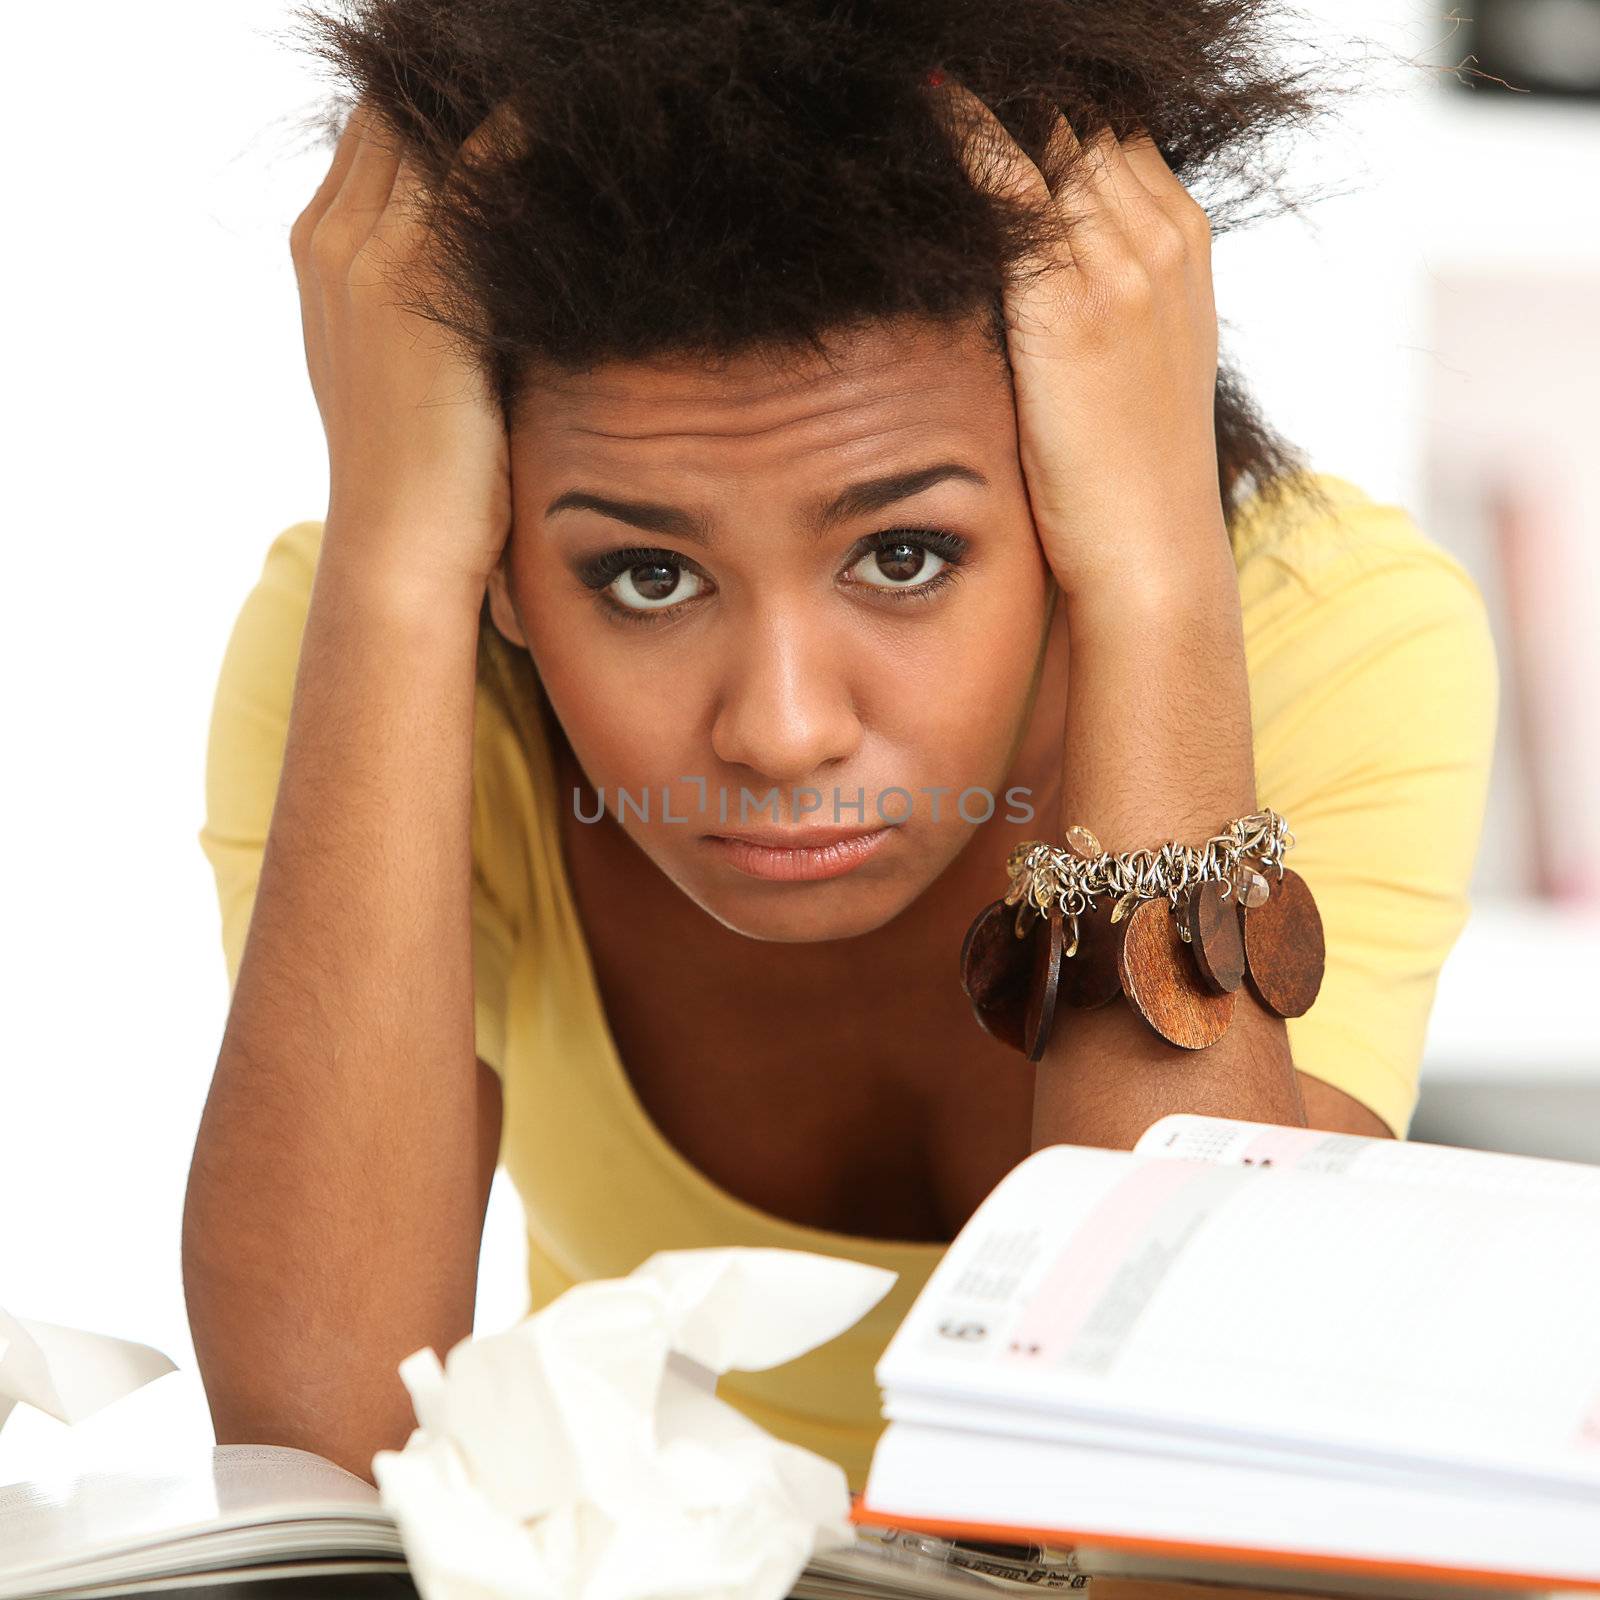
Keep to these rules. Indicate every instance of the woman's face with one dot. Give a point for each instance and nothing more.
(785, 596)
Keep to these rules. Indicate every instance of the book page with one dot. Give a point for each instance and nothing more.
(1264, 1144)
(1294, 1310)
(1346, 1535)
(205, 1509)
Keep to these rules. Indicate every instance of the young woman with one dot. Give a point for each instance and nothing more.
(719, 404)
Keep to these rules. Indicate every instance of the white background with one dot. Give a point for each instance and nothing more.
(163, 430)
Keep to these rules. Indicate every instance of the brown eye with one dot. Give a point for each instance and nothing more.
(900, 564)
(653, 586)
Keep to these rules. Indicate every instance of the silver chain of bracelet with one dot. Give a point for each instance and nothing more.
(1072, 878)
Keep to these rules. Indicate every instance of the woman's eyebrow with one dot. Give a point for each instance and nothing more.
(873, 494)
(857, 500)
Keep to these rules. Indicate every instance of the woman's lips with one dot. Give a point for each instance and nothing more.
(800, 864)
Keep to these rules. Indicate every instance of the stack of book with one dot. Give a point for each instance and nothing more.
(1242, 1353)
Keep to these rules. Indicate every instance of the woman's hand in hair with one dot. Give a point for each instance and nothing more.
(1113, 348)
(419, 475)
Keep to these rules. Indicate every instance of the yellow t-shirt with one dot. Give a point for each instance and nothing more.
(1374, 697)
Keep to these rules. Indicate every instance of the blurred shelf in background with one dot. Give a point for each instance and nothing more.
(1499, 182)
(1519, 996)
(1512, 1060)
(1532, 49)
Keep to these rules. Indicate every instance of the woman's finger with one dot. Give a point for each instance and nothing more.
(996, 163)
(993, 159)
(344, 152)
(1063, 156)
(399, 228)
(1099, 171)
(1163, 185)
(498, 137)
(1125, 211)
(355, 209)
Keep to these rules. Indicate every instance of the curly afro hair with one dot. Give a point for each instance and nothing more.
(705, 177)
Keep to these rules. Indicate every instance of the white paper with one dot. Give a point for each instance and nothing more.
(582, 1454)
(68, 1372)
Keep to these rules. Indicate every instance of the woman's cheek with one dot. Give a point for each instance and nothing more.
(628, 723)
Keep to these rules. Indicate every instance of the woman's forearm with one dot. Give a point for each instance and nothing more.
(333, 1213)
(1158, 746)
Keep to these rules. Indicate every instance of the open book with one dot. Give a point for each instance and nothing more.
(241, 1513)
(1241, 1350)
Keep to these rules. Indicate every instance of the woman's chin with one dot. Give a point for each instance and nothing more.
(755, 898)
(849, 917)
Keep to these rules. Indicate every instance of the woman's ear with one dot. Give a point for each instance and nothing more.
(501, 610)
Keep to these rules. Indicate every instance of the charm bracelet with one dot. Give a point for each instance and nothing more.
(1178, 931)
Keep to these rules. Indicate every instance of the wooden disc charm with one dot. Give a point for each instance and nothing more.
(1045, 986)
(1089, 978)
(1216, 940)
(996, 968)
(1284, 951)
(1159, 979)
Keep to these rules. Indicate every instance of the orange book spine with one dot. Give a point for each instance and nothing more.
(1310, 1560)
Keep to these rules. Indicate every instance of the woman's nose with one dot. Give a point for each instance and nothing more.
(786, 711)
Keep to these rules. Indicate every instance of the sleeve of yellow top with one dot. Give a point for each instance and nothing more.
(1385, 779)
(493, 938)
(244, 756)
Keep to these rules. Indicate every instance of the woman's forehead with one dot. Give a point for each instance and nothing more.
(880, 394)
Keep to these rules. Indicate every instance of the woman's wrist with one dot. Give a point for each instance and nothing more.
(1144, 548)
(382, 572)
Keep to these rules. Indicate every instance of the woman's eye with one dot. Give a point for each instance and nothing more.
(654, 585)
(900, 563)
(641, 584)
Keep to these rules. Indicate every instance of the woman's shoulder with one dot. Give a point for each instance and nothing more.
(1346, 597)
(1337, 586)
(1317, 530)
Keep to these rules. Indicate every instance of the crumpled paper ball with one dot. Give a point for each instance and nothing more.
(583, 1455)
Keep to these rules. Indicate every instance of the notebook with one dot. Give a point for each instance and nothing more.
(1240, 1351)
